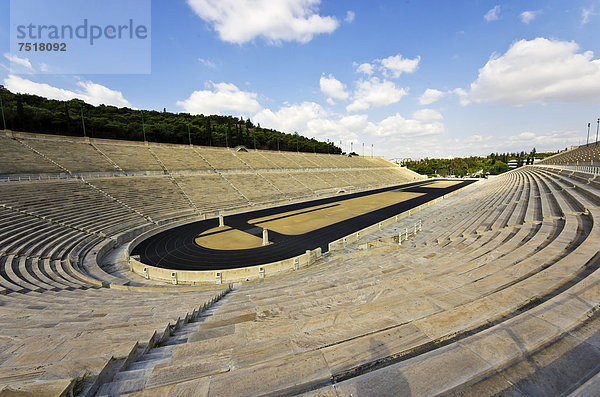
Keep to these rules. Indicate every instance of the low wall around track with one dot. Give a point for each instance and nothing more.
(199, 277)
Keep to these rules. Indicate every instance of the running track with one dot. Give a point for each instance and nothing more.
(176, 249)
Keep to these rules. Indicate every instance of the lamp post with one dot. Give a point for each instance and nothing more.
(351, 145)
(371, 150)
(82, 120)
(588, 136)
(143, 126)
(363, 149)
(2, 107)
(189, 133)
(597, 127)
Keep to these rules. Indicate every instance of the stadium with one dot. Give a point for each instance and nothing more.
(319, 274)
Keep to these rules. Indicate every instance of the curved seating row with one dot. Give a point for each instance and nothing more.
(584, 154)
(31, 154)
(498, 274)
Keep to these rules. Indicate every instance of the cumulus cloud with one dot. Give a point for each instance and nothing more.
(430, 96)
(22, 64)
(544, 141)
(221, 98)
(391, 136)
(311, 119)
(463, 96)
(392, 66)
(365, 68)
(375, 92)
(333, 88)
(424, 122)
(528, 16)
(493, 14)
(539, 71)
(395, 65)
(291, 118)
(276, 21)
(89, 92)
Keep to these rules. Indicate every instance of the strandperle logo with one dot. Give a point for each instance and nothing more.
(80, 36)
(85, 31)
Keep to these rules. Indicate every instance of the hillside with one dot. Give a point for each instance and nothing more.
(33, 113)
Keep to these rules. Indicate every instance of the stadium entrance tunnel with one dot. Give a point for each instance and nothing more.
(244, 245)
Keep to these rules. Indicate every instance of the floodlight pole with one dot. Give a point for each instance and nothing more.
(363, 149)
(2, 107)
(588, 136)
(82, 120)
(371, 150)
(351, 149)
(597, 127)
(189, 133)
(143, 126)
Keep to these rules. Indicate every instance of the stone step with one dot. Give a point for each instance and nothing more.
(132, 374)
(147, 364)
(118, 388)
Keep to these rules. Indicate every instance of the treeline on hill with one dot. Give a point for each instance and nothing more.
(492, 164)
(31, 113)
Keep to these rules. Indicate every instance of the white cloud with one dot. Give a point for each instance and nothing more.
(90, 92)
(333, 88)
(427, 115)
(19, 62)
(430, 96)
(425, 122)
(528, 16)
(349, 16)
(208, 63)
(539, 71)
(375, 92)
(223, 98)
(396, 65)
(366, 68)
(312, 120)
(493, 14)
(463, 96)
(586, 13)
(542, 142)
(97, 94)
(275, 21)
(346, 128)
(293, 118)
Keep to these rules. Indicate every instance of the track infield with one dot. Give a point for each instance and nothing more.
(292, 229)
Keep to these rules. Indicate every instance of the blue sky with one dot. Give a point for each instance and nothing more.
(413, 78)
